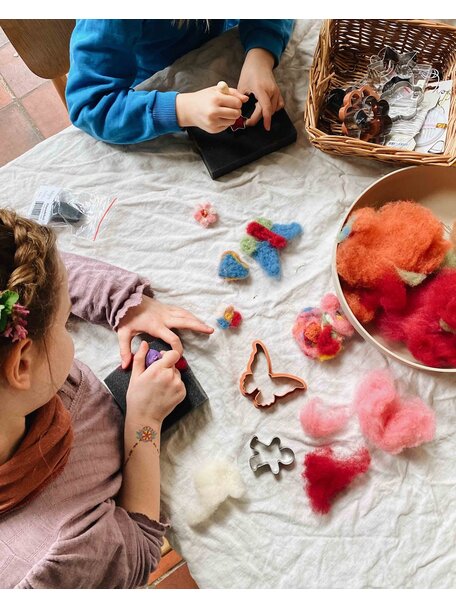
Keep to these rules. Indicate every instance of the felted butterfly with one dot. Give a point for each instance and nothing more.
(259, 371)
(265, 240)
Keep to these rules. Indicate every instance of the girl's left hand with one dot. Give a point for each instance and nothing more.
(257, 77)
(156, 319)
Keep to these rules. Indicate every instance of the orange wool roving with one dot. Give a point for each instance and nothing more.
(401, 236)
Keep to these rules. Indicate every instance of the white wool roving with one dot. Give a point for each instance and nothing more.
(214, 483)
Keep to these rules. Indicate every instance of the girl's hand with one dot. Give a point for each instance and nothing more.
(156, 319)
(209, 109)
(154, 392)
(257, 77)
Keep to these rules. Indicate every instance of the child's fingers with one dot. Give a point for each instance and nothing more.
(139, 360)
(230, 101)
(125, 336)
(228, 114)
(235, 93)
(275, 101)
(182, 313)
(170, 338)
(252, 121)
(266, 109)
(281, 103)
(169, 359)
(192, 323)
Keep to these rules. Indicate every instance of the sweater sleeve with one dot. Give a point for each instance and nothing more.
(102, 293)
(270, 34)
(100, 95)
(104, 549)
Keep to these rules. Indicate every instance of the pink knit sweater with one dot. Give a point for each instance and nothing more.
(72, 535)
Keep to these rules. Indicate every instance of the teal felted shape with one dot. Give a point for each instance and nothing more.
(232, 268)
(268, 258)
(288, 231)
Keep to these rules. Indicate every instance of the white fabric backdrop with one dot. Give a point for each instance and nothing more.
(394, 527)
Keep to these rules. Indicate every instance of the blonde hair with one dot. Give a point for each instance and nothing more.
(29, 264)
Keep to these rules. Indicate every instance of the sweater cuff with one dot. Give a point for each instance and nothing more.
(164, 113)
(265, 39)
(141, 289)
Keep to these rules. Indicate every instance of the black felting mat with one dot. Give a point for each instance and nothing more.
(226, 151)
(119, 379)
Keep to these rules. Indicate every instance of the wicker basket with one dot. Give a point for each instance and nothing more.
(341, 58)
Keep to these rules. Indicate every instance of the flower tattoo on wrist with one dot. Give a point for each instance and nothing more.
(147, 435)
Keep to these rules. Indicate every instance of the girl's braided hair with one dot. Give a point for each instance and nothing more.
(29, 264)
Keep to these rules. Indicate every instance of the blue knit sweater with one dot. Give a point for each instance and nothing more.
(108, 57)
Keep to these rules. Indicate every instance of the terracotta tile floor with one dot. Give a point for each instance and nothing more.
(30, 108)
(31, 111)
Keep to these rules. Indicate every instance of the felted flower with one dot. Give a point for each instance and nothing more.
(321, 332)
(205, 215)
(230, 318)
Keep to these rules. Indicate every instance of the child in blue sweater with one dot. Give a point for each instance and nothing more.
(108, 57)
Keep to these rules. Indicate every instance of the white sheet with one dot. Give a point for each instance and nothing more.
(395, 527)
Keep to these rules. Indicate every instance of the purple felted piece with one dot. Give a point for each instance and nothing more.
(152, 356)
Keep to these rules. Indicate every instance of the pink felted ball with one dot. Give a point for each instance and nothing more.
(321, 332)
(390, 422)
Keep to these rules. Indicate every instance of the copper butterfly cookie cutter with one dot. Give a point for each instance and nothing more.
(255, 393)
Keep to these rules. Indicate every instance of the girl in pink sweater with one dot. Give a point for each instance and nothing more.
(79, 486)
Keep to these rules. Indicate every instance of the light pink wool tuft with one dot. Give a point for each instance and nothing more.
(390, 422)
(320, 421)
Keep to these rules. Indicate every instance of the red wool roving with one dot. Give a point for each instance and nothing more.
(326, 475)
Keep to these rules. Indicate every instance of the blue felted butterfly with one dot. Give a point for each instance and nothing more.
(264, 241)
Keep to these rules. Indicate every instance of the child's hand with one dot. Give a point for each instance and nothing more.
(257, 77)
(156, 319)
(154, 392)
(209, 109)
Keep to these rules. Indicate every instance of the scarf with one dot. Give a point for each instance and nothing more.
(42, 454)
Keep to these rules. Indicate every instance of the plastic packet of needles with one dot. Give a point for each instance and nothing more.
(81, 212)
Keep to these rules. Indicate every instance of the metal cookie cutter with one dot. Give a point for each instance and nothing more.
(287, 456)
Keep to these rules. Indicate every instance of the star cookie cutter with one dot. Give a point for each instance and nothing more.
(255, 393)
(287, 455)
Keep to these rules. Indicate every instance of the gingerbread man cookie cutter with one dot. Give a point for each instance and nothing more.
(256, 461)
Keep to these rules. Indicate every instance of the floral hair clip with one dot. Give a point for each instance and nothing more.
(12, 316)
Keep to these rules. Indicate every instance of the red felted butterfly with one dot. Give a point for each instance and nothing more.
(259, 373)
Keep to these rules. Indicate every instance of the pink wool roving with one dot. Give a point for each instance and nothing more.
(319, 421)
(390, 422)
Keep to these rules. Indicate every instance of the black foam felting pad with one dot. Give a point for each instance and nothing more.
(229, 150)
(119, 379)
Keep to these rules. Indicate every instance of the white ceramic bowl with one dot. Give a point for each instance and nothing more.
(435, 188)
